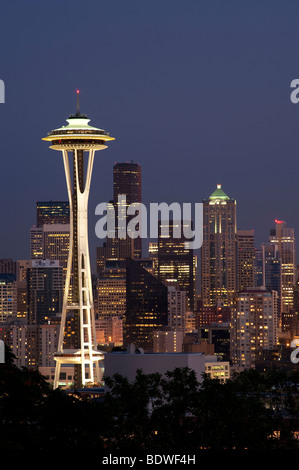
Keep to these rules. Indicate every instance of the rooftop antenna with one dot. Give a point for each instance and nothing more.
(78, 104)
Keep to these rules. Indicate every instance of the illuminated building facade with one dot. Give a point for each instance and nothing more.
(253, 325)
(78, 142)
(109, 331)
(8, 298)
(176, 264)
(44, 291)
(176, 309)
(167, 341)
(8, 266)
(51, 241)
(111, 293)
(207, 316)
(218, 251)
(126, 183)
(284, 239)
(219, 336)
(146, 306)
(270, 269)
(218, 370)
(36, 243)
(56, 243)
(153, 255)
(245, 259)
(52, 212)
(33, 346)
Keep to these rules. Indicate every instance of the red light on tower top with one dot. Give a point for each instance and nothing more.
(278, 221)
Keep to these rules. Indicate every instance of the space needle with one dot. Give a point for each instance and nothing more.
(78, 142)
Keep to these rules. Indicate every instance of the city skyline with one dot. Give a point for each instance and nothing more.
(210, 82)
(149, 294)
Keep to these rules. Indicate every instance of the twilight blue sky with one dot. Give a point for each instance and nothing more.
(197, 92)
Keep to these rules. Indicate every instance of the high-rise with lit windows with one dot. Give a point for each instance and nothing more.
(219, 250)
(44, 291)
(283, 238)
(52, 212)
(253, 325)
(126, 191)
(8, 298)
(146, 306)
(245, 259)
(176, 263)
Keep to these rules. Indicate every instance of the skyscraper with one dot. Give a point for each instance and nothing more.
(245, 259)
(176, 264)
(146, 306)
(8, 266)
(52, 212)
(111, 291)
(253, 325)
(8, 298)
(76, 141)
(44, 291)
(218, 251)
(56, 243)
(126, 191)
(176, 309)
(50, 238)
(36, 243)
(283, 238)
(153, 255)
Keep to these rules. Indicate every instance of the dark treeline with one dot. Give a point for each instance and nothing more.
(159, 414)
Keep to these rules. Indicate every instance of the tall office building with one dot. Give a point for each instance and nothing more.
(56, 243)
(36, 243)
(52, 212)
(176, 309)
(168, 341)
(127, 182)
(111, 291)
(8, 266)
(268, 271)
(51, 241)
(176, 264)
(218, 251)
(126, 191)
(219, 336)
(8, 298)
(245, 259)
(146, 306)
(258, 268)
(283, 238)
(44, 291)
(32, 345)
(253, 325)
(206, 316)
(153, 255)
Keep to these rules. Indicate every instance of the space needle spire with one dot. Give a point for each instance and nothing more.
(78, 142)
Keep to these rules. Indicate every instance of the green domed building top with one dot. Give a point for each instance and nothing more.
(219, 194)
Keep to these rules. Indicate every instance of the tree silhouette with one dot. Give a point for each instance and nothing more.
(164, 414)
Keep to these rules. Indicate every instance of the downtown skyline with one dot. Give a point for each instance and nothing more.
(188, 338)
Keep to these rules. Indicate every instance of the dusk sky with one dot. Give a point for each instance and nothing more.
(197, 92)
